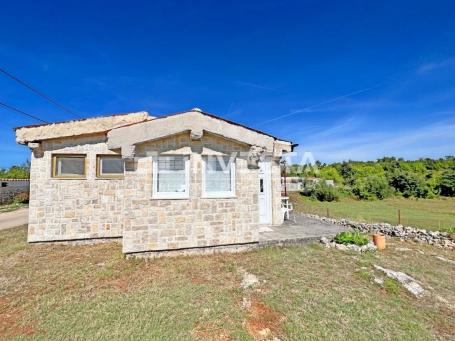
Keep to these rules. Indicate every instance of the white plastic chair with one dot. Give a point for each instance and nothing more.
(287, 208)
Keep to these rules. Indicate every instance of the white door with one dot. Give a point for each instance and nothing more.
(265, 193)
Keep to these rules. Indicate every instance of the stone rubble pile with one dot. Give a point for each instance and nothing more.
(329, 244)
(441, 239)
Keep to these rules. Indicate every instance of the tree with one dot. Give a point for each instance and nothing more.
(409, 184)
(371, 187)
(447, 183)
(331, 173)
(16, 172)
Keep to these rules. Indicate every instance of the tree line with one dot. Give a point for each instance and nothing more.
(16, 172)
(423, 178)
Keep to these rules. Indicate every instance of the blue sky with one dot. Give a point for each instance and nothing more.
(345, 79)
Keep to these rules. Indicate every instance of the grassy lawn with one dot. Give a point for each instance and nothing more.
(435, 214)
(93, 292)
(12, 207)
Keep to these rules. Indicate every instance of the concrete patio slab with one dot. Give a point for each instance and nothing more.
(302, 231)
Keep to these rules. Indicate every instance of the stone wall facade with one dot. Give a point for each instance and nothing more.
(63, 209)
(164, 224)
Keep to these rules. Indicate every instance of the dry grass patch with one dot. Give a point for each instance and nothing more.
(93, 292)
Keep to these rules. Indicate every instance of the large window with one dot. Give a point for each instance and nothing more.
(171, 177)
(109, 166)
(218, 178)
(68, 166)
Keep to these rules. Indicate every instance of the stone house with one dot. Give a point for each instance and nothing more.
(186, 181)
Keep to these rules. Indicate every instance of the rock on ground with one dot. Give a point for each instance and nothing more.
(445, 259)
(407, 281)
(249, 280)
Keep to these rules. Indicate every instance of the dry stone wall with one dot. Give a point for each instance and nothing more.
(8, 194)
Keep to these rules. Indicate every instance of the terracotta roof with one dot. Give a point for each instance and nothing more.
(14, 179)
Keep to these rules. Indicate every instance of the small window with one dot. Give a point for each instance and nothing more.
(171, 177)
(68, 166)
(109, 166)
(218, 177)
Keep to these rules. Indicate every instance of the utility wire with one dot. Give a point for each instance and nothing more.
(334, 99)
(39, 93)
(7, 106)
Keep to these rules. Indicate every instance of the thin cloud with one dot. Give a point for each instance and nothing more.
(256, 86)
(430, 67)
(435, 140)
(311, 107)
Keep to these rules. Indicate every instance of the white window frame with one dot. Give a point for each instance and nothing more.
(170, 195)
(219, 194)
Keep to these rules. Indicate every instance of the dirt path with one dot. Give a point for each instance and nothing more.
(14, 218)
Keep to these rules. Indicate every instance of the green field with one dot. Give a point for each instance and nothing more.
(91, 292)
(434, 214)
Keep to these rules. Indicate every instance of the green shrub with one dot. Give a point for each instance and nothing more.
(331, 173)
(348, 237)
(371, 187)
(21, 198)
(322, 192)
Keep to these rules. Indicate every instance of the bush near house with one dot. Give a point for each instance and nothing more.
(22, 198)
(322, 192)
(348, 237)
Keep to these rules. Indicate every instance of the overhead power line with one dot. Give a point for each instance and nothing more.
(39, 93)
(10, 107)
(334, 99)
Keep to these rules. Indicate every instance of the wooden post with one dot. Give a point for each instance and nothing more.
(328, 215)
(399, 217)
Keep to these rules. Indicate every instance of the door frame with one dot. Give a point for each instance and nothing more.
(265, 171)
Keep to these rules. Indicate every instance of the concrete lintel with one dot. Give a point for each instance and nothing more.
(128, 151)
(281, 147)
(34, 145)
